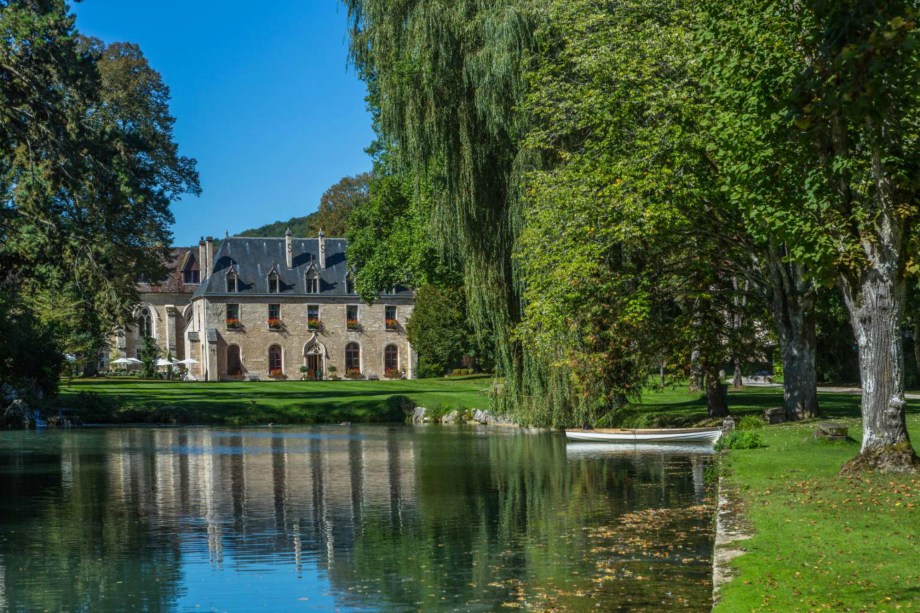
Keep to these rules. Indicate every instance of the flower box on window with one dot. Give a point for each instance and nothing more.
(352, 324)
(275, 373)
(353, 373)
(392, 324)
(233, 323)
(275, 324)
(313, 323)
(392, 373)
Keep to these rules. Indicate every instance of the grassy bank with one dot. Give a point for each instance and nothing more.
(821, 542)
(283, 402)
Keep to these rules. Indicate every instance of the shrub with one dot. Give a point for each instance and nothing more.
(749, 422)
(740, 439)
(437, 412)
(400, 404)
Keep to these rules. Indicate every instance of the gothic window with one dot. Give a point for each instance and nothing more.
(232, 285)
(274, 283)
(349, 283)
(145, 323)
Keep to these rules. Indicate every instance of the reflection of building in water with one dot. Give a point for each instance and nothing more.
(4, 605)
(264, 493)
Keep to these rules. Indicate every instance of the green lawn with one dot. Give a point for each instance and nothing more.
(137, 400)
(820, 541)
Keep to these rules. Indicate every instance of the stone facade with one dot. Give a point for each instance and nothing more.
(164, 312)
(285, 308)
(298, 340)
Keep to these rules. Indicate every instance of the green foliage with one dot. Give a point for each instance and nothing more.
(439, 331)
(300, 226)
(743, 439)
(750, 422)
(389, 239)
(88, 169)
(446, 82)
(150, 353)
(30, 360)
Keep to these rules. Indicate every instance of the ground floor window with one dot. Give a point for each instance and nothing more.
(391, 361)
(352, 359)
(234, 361)
(275, 364)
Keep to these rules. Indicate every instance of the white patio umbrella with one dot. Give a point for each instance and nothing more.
(70, 357)
(120, 361)
(133, 361)
(162, 362)
(187, 361)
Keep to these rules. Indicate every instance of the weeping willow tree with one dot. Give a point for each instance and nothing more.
(447, 80)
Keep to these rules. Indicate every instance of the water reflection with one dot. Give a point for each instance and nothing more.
(346, 518)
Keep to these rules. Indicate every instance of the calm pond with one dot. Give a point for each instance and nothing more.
(347, 518)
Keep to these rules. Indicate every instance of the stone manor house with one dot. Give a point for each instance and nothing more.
(282, 308)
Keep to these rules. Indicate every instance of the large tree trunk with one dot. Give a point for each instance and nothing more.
(876, 306)
(793, 311)
(716, 392)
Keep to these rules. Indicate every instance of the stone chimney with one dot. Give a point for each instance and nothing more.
(322, 250)
(289, 248)
(209, 254)
(202, 260)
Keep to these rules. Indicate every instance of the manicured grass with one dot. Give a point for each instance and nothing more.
(820, 541)
(264, 401)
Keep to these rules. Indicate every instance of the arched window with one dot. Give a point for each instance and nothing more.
(274, 283)
(275, 363)
(352, 359)
(145, 323)
(391, 359)
(231, 281)
(234, 361)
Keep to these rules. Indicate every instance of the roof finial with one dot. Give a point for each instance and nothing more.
(288, 232)
(226, 233)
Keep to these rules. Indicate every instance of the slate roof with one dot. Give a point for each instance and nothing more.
(180, 259)
(253, 258)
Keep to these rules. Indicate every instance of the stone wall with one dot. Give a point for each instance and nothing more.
(256, 337)
(169, 323)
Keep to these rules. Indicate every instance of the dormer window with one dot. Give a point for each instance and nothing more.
(232, 282)
(312, 283)
(191, 277)
(274, 283)
(349, 283)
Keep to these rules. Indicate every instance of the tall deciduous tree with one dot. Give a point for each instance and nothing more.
(831, 90)
(88, 164)
(447, 79)
(338, 202)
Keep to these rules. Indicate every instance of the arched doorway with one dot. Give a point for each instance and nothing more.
(391, 361)
(234, 361)
(314, 355)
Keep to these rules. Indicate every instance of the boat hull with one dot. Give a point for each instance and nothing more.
(706, 436)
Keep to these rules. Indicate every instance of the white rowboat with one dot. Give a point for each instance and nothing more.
(708, 436)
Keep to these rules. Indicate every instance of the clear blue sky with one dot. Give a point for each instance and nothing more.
(263, 96)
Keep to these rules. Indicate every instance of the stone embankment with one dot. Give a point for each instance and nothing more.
(731, 530)
(421, 415)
